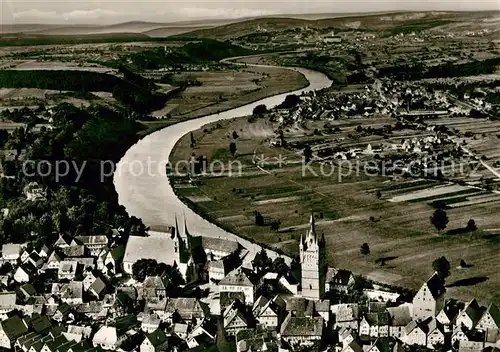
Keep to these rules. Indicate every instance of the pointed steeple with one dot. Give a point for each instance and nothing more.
(312, 224)
(311, 233)
(177, 230)
(186, 232)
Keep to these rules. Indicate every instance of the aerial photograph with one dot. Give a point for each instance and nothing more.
(279, 176)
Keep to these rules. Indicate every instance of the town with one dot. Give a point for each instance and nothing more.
(398, 251)
(173, 291)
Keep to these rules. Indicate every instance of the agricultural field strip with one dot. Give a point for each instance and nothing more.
(426, 193)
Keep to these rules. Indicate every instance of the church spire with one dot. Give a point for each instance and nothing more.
(311, 234)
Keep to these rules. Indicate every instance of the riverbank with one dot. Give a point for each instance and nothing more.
(142, 184)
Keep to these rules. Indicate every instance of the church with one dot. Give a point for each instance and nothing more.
(313, 263)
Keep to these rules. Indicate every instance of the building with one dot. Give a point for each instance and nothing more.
(10, 330)
(95, 244)
(490, 319)
(429, 300)
(313, 263)
(155, 342)
(346, 315)
(108, 338)
(7, 303)
(241, 280)
(302, 330)
(470, 315)
(399, 318)
(158, 246)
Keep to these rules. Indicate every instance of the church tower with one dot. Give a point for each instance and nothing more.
(181, 245)
(313, 263)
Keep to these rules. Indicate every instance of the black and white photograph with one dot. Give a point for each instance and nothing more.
(250, 176)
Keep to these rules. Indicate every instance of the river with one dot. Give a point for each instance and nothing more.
(140, 178)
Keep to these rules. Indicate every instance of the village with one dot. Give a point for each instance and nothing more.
(89, 294)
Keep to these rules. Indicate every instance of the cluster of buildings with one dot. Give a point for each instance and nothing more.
(77, 295)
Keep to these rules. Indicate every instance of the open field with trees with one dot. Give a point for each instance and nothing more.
(402, 240)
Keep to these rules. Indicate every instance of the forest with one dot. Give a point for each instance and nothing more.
(85, 205)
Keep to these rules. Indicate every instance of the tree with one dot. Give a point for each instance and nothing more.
(442, 267)
(259, 219)
(235, 135)
(232, 148)
(259, 110)
(471, 225)
(193, 141)
(365, 249)
(308, 154)
(439, 219)
(261, 261)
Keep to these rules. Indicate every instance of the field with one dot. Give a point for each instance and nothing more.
(403, 242)
(224, 90)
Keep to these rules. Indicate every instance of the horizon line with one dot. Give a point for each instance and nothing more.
(243, 18)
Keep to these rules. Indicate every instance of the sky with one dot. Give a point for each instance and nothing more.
(114, 11)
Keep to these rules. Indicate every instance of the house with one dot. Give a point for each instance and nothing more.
(109, 261)
(300, 330)
(180, 330)
(206, 331)
(429, 300)
(35, 260)
(11, 252)
(374, 325)
(435, 334)
(346, 316)
(150, 323)
(490, 319)
(24, 273)
(98, 288)
(385, 345)
(93, 310)
(10, 330)
(235, 318)
(62, 242)
(63, 312)
(88, 279)
(154, 342)
(72, 292)
(94, 244)
(218, 248)
(399, 318)
(67, 270)
(459, 333)
(217, 270)
(241, 280)
(470, 315)
(187, 308)
(322, 307)
(7, 303)
(470, 346)
(352, 346)
(342, 281)
(492, 338)
(346, 336)
(415, 334)
(448, 315)
(155, 287)
(267, 312)
(157, 306)
(54, 261)
(77, 333)
(108, 338)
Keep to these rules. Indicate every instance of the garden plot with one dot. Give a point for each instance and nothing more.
(429, 193)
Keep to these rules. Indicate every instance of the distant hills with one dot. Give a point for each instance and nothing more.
(227, 29)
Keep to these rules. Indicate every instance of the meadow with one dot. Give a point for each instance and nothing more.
(350, 211)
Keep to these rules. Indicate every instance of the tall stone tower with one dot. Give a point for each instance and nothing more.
(313, 263)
